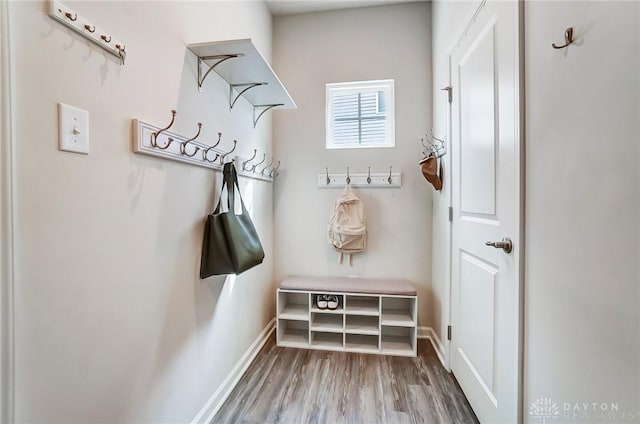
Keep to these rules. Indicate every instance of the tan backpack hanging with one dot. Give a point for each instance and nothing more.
(347, 228)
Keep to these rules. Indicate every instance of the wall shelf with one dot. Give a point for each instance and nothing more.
(248, 74)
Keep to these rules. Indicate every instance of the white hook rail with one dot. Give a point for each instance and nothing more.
(71, 19)
(168, 146)
(360, 179)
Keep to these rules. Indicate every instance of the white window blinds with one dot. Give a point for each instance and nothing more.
(360, 114)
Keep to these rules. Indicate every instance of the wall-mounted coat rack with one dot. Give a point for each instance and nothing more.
(240, 64)
(71, 19)
(369, 179)
(160, 142)
(435, 146)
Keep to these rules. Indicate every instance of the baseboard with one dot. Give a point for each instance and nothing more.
(214, 403)
(428, 333)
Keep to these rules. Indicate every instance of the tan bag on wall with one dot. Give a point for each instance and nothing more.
(347, 228)
(429, 168)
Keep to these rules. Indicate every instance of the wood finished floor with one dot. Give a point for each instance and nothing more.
(286, 385)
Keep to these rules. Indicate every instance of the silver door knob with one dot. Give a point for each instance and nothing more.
(505, 244)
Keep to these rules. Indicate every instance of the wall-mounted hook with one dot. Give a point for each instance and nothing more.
(89, 28)
(348, 177)
(268, 166)
(389, 180)
(154, 136)
(122, 53)
(166, 146)
(205, 152)
(568, 39)
(435, 146)
(433, 137)
(264, 157)
(235, 142)
(104, 38)
(274, 171)
(328, 179)
(369, 176)
(183, 145)
(244, 165)
(72, 18)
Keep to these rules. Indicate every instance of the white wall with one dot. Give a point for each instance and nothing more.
(311, 50)
(582, 335)
(582, 210)
(112, 321)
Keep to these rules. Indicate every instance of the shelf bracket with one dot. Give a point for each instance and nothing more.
(248, 85)
(220, 58)
(264, 109)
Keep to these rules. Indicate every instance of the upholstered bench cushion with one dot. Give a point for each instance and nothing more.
(349, 285)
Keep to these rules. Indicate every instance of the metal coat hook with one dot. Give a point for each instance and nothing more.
(104, 38)
(88, 28)
(264, 157)
(183, 145)
(74, 18)
(122, 53)
(389, 179)
(568, 39)
(235, 142)
(205, 152)
(274, 171)
(348, 177)
(268, 166)
(436, 146)
(154, 136)
(244, 164)
(436, 138)
(369, 176)
(328, 179)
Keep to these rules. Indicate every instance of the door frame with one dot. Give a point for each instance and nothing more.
(520, 174)
(7, 213)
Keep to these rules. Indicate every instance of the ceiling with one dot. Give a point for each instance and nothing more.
(290, 7)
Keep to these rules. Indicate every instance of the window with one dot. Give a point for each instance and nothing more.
(360, 115)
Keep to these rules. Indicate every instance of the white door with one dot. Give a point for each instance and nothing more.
(485, 303)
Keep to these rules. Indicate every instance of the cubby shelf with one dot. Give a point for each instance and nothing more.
(363, 323)
(294, 338)
(295, 312)
(397, 317)
(328, 323)
(363, 306)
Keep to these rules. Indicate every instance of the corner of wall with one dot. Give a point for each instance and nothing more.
(6, 221)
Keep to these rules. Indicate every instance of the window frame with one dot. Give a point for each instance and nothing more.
(358, 87)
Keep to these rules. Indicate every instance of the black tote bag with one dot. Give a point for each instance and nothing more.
(230, 244)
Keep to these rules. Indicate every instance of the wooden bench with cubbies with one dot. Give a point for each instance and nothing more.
(372, 316)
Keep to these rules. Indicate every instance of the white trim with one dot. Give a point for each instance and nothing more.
(214, 403)
(7, 204)
(357, 87)
(429, 334)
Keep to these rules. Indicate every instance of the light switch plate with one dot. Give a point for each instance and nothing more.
(73, 129)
